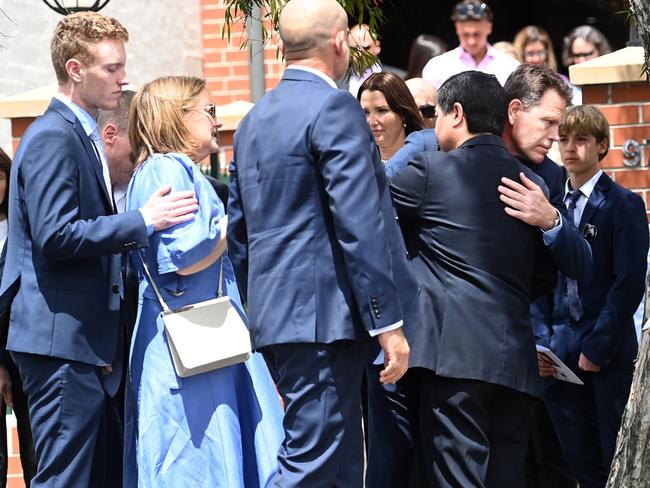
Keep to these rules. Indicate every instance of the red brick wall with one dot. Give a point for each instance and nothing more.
(627, 108)
(225, 64)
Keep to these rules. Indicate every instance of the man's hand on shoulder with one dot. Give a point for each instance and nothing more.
(396, 355)
(165, 209)
(526, 201)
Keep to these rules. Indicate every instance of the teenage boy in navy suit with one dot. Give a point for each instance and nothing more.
(592, 320)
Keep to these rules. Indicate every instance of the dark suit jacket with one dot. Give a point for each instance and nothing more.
(569, 252)
(612, 288)
(312, 233)
(475, 264)
(61, 237)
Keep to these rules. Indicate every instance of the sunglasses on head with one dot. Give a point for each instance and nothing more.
(428, 111)
(473, 11)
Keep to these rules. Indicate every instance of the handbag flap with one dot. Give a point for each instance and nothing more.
(206, 333)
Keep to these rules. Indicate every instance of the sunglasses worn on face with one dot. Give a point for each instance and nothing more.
(535, 54)
(428, 111)
(210, 109)
(585, 54)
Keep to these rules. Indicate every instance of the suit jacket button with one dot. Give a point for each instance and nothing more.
(115, 288)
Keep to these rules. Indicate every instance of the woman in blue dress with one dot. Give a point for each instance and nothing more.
(217, 429)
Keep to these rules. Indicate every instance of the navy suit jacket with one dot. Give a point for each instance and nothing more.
(415, 143)
(614, 220)
(475, 263)
(61, 243)
(312, 233)
(570, 251)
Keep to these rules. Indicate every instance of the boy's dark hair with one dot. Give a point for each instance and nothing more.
(482, 98)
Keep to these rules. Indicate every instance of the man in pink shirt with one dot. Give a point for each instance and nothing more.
(473, 21)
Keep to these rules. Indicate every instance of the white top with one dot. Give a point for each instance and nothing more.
(496, 63)
(3, 233)
(585, 192)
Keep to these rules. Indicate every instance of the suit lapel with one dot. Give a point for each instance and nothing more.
(595, 200)
(93, 157)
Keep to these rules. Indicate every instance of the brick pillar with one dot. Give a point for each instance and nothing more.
(627, 108)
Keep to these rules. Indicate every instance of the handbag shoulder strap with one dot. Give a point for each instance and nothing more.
(153, 284)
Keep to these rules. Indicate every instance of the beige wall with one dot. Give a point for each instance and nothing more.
(165, 39)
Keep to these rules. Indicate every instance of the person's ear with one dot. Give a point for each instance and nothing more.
(109, 133)
(515, 107)
(459, 114)
(603, 146)
(281, 46)
(74, 68)
(340, 41)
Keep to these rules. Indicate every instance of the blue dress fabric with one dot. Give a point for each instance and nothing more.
(217, 429)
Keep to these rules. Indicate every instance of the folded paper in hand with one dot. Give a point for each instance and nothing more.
(562, 371)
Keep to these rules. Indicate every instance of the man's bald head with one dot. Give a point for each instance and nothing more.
(361, 38)
(425, 95)
(306, 26)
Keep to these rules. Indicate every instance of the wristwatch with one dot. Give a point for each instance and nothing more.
(556, 222)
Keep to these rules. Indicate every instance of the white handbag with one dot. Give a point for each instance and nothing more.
(206, 335)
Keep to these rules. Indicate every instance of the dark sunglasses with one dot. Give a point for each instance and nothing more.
(428, 111)
(211, 110)
(586, 54)
(473, 11)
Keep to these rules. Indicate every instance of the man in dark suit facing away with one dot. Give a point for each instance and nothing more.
(63, 255)
(475, 358)
(316, 249)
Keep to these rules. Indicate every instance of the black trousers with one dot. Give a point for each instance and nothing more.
(27, 455)
(472, 433)
(545, 463)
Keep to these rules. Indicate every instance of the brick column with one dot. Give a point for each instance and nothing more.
(627, 108)
(615, 85)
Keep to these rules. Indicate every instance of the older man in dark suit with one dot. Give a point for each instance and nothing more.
(475, 357)
(61, 245)
(316, 249)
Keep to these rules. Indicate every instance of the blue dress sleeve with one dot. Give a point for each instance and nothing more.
(184, 244)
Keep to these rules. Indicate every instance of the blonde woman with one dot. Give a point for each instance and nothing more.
(216, 429)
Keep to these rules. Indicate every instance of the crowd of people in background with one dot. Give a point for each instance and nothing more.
(413, 268)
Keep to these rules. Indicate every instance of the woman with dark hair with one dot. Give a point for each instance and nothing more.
(424, 47)
(11, 388)
(390, 110)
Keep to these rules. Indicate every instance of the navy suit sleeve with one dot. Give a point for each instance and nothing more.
(541, 317)
(570, 251)
(237, 233)
(408, 189)
(630, 248)
(50, 176)
(416, 143)
(354, 182)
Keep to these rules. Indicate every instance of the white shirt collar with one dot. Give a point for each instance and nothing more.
(88, 122)
(587, 188)
(314, 71)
